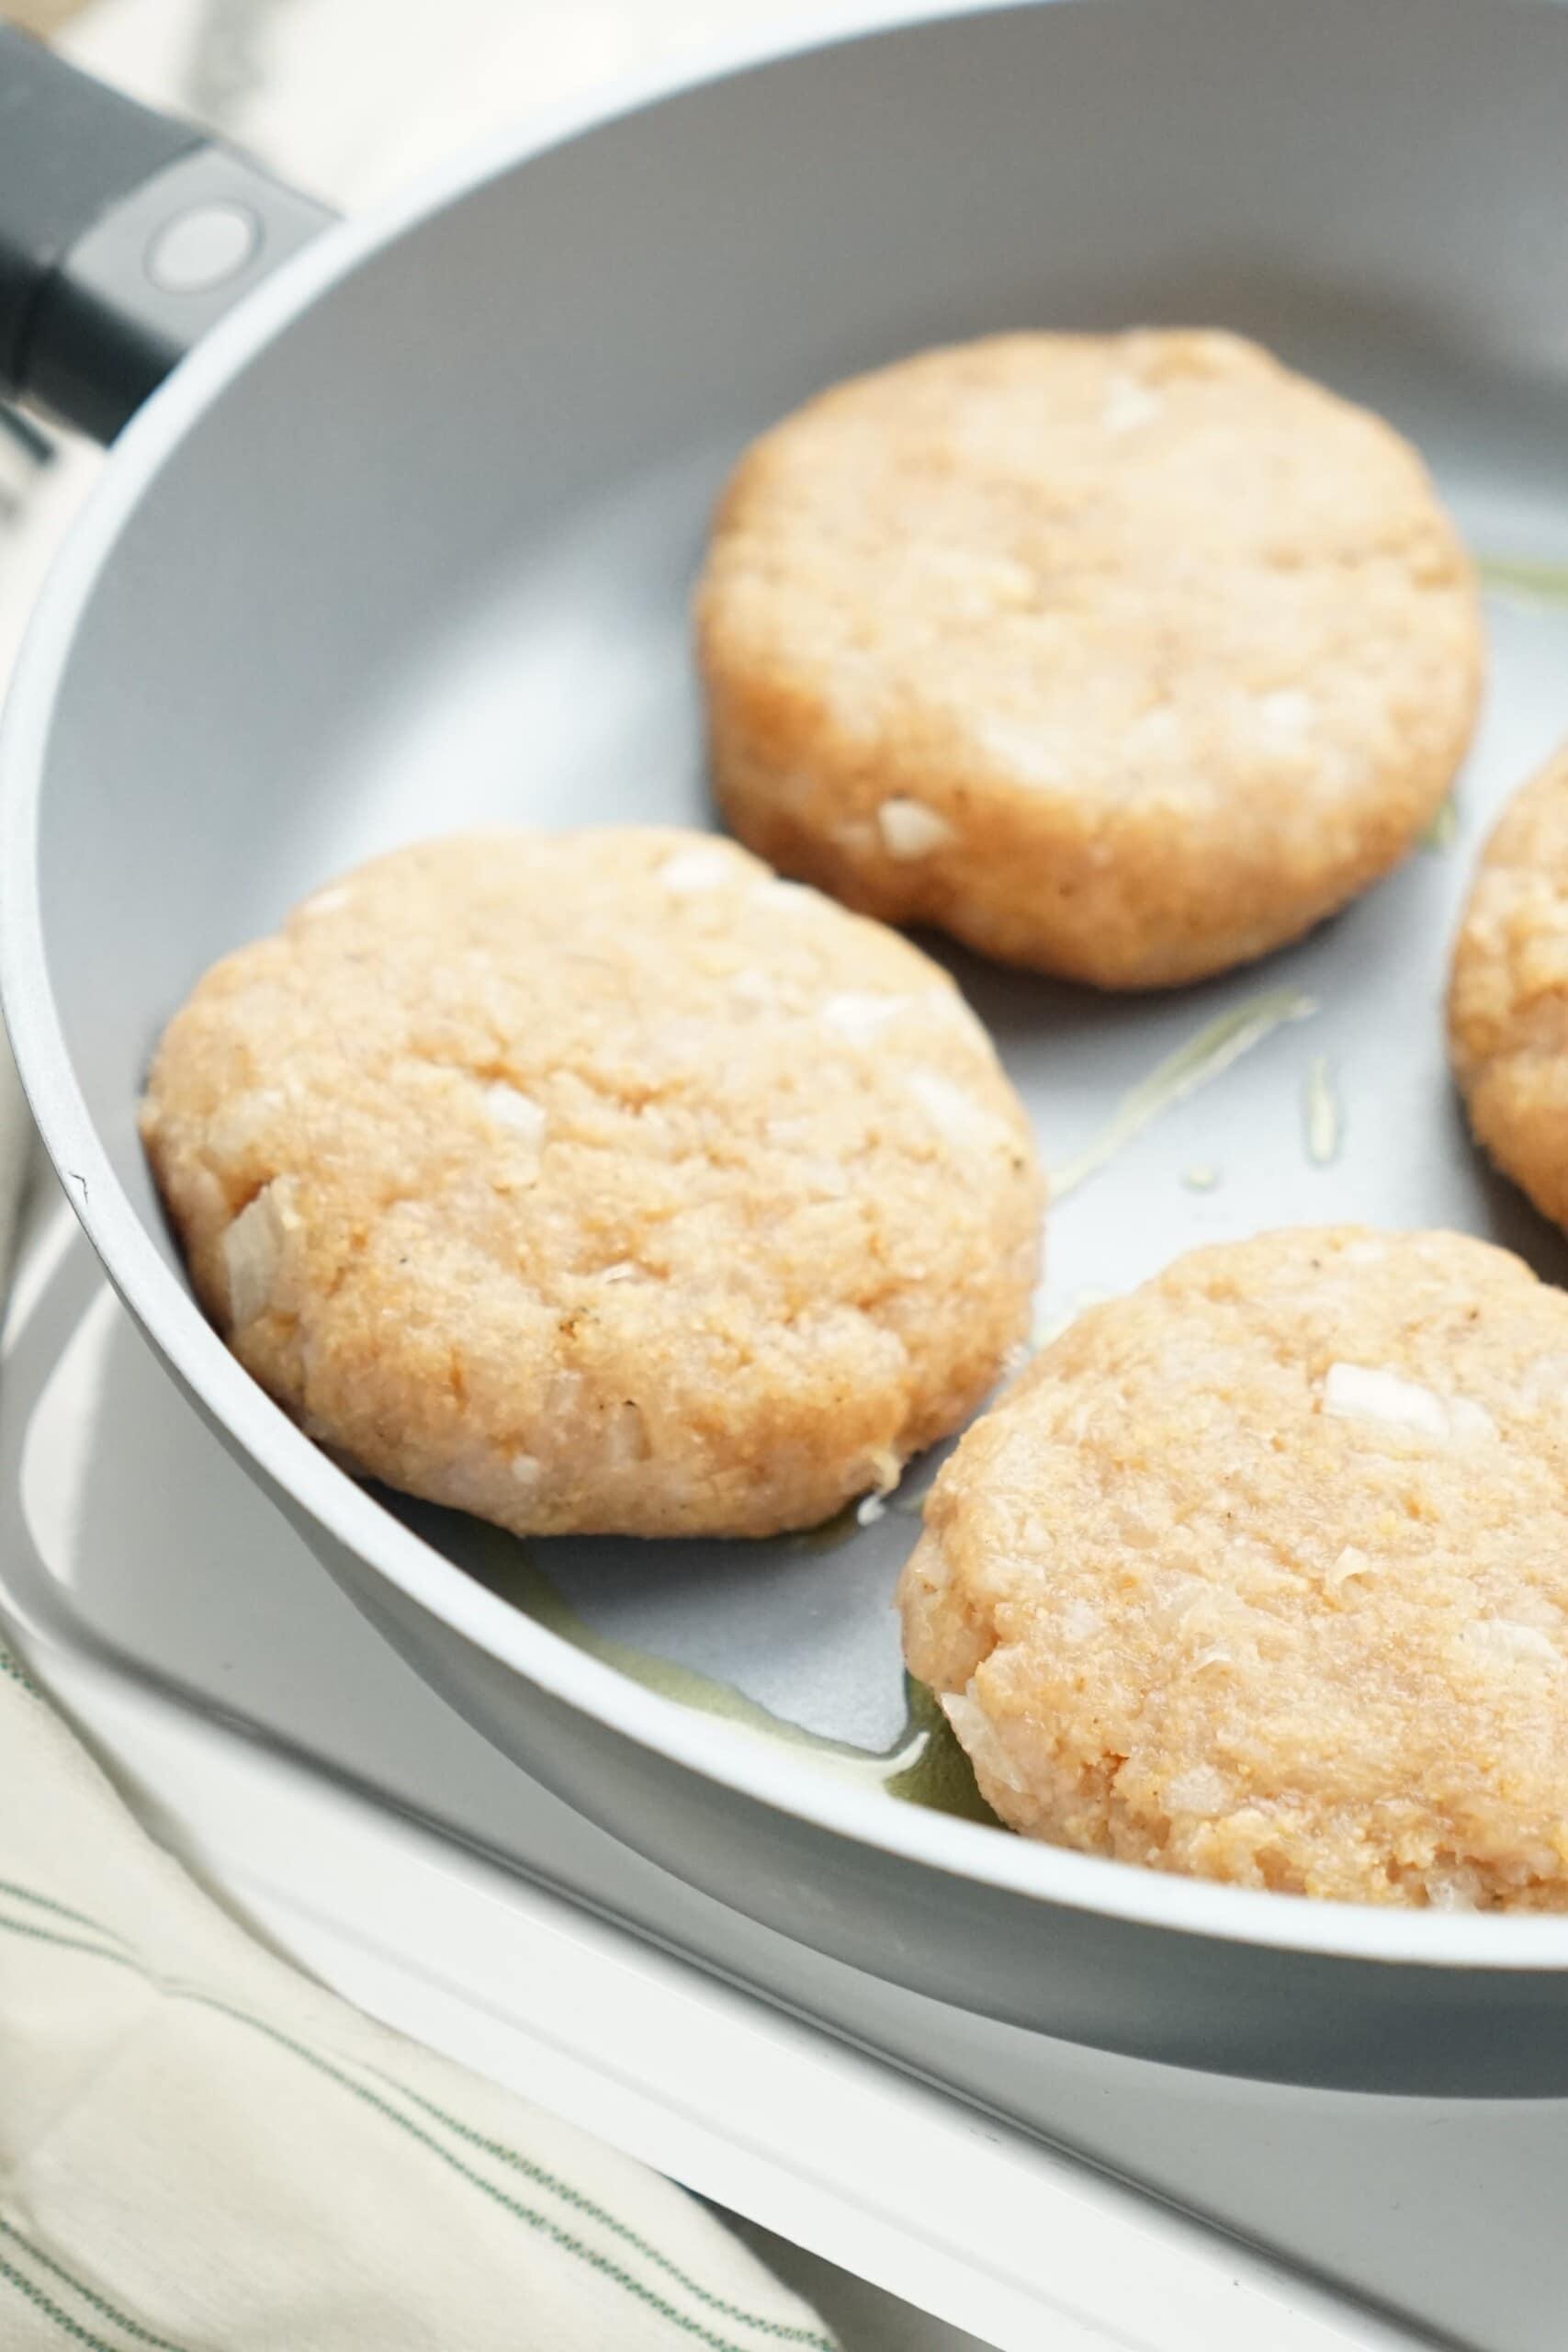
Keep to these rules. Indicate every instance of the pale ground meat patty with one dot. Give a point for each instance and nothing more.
(600, 1182)
(1260, 1573)
(1125, 657)
(1509, 992)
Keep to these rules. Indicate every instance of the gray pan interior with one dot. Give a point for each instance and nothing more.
(409, 546)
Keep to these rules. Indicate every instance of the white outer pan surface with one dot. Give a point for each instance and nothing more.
(407, 546)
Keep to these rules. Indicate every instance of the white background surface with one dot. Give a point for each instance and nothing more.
(351, 113)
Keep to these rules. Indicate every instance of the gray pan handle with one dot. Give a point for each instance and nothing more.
(124, 234)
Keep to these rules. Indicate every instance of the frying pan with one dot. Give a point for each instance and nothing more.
(404, 544)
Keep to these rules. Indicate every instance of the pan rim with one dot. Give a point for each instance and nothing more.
(289, 1463)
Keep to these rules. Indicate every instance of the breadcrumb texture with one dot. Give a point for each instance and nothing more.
(1509, 992)
(1260, 1573)
(600, 1181)
(1124, 657)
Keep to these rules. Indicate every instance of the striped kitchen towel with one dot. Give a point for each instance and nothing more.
(201, 2151)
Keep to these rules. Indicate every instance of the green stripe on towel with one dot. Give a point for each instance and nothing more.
(649, 2297)
(514, 2157)
(50, 2310)
(63, 1911)
(85, 2294)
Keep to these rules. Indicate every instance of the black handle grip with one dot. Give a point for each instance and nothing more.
(123, 236)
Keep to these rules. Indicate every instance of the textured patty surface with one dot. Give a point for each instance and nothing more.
(1260, 1573)
(1509, 992)
(1124, 657)
(600, 1181)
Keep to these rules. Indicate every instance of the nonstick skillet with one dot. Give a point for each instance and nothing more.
(405, 543)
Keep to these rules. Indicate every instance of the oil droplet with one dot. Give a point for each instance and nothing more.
(1525, 580)
(939, 1775)
(1443, 831)
(827, 1536)
(1321, 1114)
(924, 1765)
(1200, 1177)
(910, 1499)
(1203, 1058)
